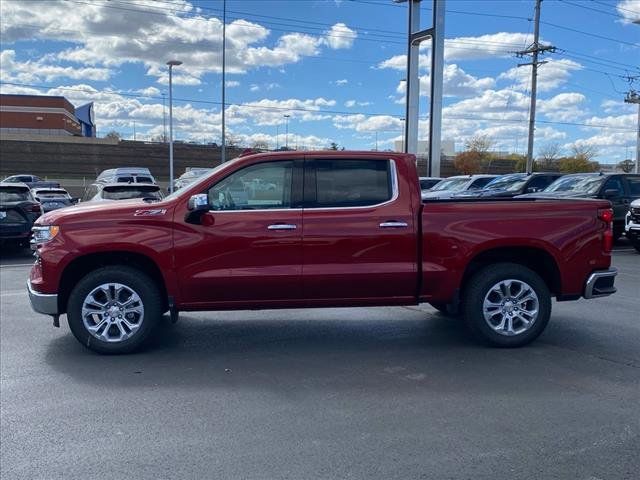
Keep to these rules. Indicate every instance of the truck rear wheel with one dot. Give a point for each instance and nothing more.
(114, 309)
(506, 305)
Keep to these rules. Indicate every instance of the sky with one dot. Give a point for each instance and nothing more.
(335, 67)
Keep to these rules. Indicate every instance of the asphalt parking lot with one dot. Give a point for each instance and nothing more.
(324, 394)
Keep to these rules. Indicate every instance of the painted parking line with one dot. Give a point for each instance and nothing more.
(17, 265)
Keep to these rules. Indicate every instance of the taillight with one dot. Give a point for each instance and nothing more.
(606, 215)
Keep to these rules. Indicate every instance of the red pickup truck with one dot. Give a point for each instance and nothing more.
(317, 229)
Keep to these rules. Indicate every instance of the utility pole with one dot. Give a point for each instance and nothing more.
(634, 97)
(223, 156)
(534, 50)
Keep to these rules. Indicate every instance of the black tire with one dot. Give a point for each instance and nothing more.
(479, 286)
(636, 245)
(444, 310)
(134, 279)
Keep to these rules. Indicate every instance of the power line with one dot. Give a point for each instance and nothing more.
(591, 8)
(602, 37)
(310, 110)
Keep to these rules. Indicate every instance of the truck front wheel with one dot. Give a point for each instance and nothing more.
(506, 305)
(114, 309)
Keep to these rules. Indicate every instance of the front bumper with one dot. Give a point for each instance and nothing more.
(46, 303)
(600, 283)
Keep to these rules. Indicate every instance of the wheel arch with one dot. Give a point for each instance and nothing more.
(536, 259)
(81, 266)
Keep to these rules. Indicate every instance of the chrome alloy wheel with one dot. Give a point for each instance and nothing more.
(511, 307)
(112, 312)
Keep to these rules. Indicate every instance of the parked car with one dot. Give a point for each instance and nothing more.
(619, 188)
(53, 198)
(428, 182)
(512, 185)
(632, 224)
(32, 181)
(190, 176)
(460, 183)
(18, 211)
(122, 191)
(126, 175)
(366, 239)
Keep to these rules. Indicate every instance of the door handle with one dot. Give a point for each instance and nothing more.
(282, 226)
(393, 224)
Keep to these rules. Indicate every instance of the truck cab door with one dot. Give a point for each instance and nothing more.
(247, 249)
(359, 241)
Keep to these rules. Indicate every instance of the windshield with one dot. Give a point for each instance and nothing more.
(128, 192)
(588, 184)
(202, 178)
(454, 184)
(508, 182)
(51, 194)
(14, 194)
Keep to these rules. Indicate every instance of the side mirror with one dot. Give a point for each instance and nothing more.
(198, 205)
(611, 193)
(532, 190)
(75, 200)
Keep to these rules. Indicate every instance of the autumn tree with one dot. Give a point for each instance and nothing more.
(469, 162)
(577, 164)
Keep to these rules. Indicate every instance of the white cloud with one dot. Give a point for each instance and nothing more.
(341, 82)
(457, 83)
(271, 112)
(363, 123)
(617, 106)
(563, 107)
(501, 44)
(104, 37)
(629, 10)
(353, 103)
(149, 92)
(39, 70)
(232, 83)
(550, 75)
(340, 36)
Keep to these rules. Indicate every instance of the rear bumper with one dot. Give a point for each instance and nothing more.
(600, 283)
(46, 303)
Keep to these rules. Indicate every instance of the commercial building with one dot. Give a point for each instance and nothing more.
(45, 115)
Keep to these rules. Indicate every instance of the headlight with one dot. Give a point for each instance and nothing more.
(45, 233)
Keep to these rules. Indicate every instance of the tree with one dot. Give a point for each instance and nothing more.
(468, 163)
(113, 135)
(260, 145)
(626, 165)
(548, 157)
(586, 152)
(479, 143)
(577, 165)
(334, 146)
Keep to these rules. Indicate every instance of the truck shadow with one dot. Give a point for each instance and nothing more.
(297, 352)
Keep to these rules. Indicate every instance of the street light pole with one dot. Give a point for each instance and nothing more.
(286, 135)
(223, 156)
(171, 63)
(164, 118)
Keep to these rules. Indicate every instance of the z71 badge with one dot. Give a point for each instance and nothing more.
(150, 212)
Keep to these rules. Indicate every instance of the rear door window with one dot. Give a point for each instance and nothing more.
(347, 183)
(480, 183)
(634, 186)
(614, 183)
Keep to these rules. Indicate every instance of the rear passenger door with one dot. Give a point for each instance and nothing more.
(359, 237)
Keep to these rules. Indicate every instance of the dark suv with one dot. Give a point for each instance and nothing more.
(619, 188)
(513, 184)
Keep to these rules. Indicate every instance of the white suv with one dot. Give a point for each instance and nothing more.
(632, 224)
